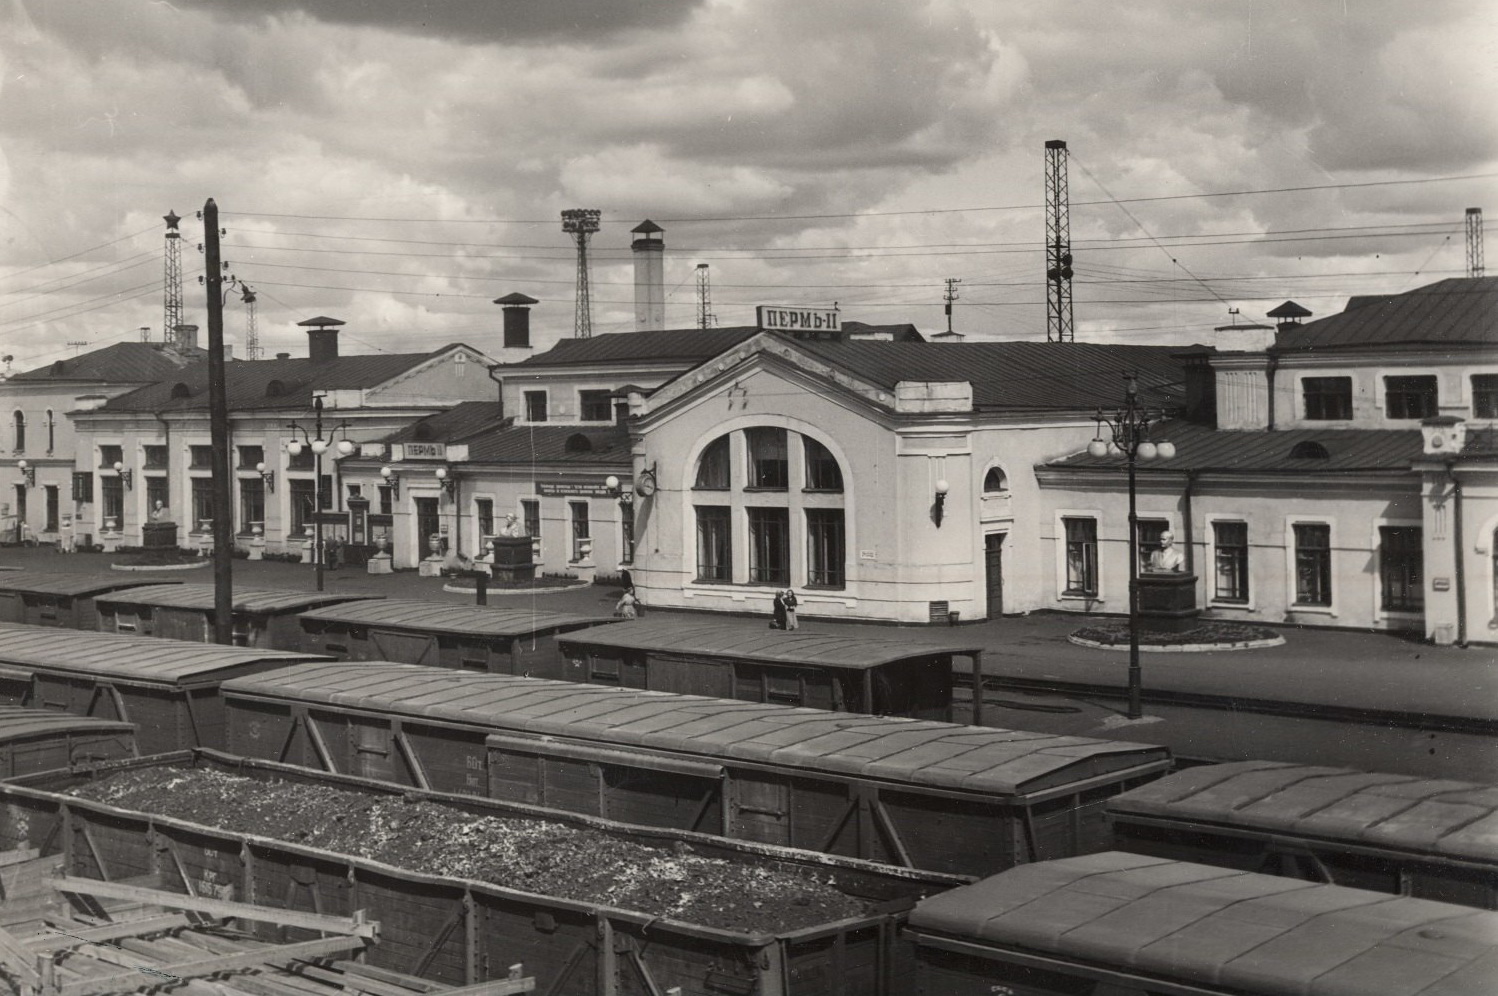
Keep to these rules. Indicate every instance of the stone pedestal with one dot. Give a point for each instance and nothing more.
(513, 559)
(158, 535)
(1167, 602)
(256, 544)
(380, 563)
(111, 540)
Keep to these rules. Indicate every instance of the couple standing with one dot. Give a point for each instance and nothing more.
(785, 610)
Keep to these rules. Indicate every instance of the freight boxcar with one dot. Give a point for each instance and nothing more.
(167, 688)
(1132, 925)
(960, 799)
(1431, 838)
(265, 618)
(732, 659)
(33, 740)
(441, 634)
(46, 598)
(464, 932)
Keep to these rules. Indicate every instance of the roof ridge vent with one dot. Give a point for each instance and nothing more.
(1309, 449)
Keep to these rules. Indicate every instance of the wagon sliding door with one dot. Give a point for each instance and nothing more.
(628, 786)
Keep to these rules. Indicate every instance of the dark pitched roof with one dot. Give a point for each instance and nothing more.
(1201, 448)
(462, 421)
(544, 444)
(255, 384)
(1018, 375)
(122, 362)
(1289, 310)
(1456, 310)
(670, 345)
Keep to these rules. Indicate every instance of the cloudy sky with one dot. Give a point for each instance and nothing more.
(401, 163)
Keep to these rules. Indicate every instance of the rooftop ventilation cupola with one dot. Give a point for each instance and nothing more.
(322, 337)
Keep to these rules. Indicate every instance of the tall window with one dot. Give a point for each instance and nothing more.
(20, 426)
(714, 544)
(1327, 398)
(157, 490)
(581, 536)
(712, 466)
(305, 460)
(1081, 556)
(112, 498)
(530, 514)
(768, 465)
(301, 493)
(52, 508)
(627, 532)
(769, 545)
(111, 455)
(51, 430)
(1230, 541)
(484, 509)
(535, 406)
(155, 458)
(825, 552)
(1313, 563)
(1401, 568)
(251, 502)
(1485, 395)
(387, 499)
(822, 471)
(1150, 531)
(595, 406)
(325, 492)
(202, 500)
(1410, 397)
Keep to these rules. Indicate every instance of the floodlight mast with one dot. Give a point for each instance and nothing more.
(581, 223)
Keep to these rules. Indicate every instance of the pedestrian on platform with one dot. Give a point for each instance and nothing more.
(628, 607)
(788, 599)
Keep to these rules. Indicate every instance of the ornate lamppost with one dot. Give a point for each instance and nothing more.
(318, 444)
(1129, 428)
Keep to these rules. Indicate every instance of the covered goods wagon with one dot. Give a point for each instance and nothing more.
(167, 688)
(1425, 837)
(1132, 925)
(938, 796)
(464, 931)
(261, 618)
(732, 659)
(442, 634)
(33, 740)
(48, 598)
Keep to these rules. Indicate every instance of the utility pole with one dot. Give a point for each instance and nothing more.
(1474, 242)
(218, 424)
(949, 297)
(1058, 327)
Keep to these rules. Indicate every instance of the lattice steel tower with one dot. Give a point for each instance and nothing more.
(251, 323)
(581, 223)
(1474, 242)
(172, 284)
(705, 317)
(1058, 326)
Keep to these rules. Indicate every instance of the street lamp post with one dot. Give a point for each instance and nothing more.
(318, 445)
(1129, 428)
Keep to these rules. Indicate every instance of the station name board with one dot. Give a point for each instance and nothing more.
(425, 451)
(773, 318)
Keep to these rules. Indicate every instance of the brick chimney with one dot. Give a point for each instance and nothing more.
(517, 329)
(322, 338)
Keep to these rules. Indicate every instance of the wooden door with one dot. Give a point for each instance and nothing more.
(993, 570)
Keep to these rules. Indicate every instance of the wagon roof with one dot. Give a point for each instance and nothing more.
(149, 659)
(62, 583)
(1222, 929)
(19, 723)
(1454, 819)
(200, 596)
(752, 641)
(411, 613)
(938, 755)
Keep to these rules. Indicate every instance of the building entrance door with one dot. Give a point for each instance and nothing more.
(993, 571)
(428, 521)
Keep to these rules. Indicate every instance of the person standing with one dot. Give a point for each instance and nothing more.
(628, 605)
(788, 599)
(780, 611)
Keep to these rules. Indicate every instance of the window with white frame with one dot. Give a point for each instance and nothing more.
(19, 423)
(1401, 568)
(251, 502)
(822, 471)
(51, 430)
(530, 515)
(626, 532)
(535, 406)
(826, 554)
(582, 542)
(1326, 398)
(712, 467)
(1485, 395)
(769, 546)
(595, 406)
(714, 543)
(1150, 531)
(1081, 556)
(769, 465)
(483, 509)
(1410, 397)
(1230, 561)
(1313, 563)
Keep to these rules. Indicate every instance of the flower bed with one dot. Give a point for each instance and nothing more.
(1207, 636)
(531, 855)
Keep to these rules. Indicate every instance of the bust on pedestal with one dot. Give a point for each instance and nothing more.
(1167, 594)
(513, 560)
(160, 531)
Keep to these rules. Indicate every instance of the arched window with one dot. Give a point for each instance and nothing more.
(712, 466)
(274, 389)
(994, 482)
(1309, 450)
(774, 505)
(180, 390)
(20, 424)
